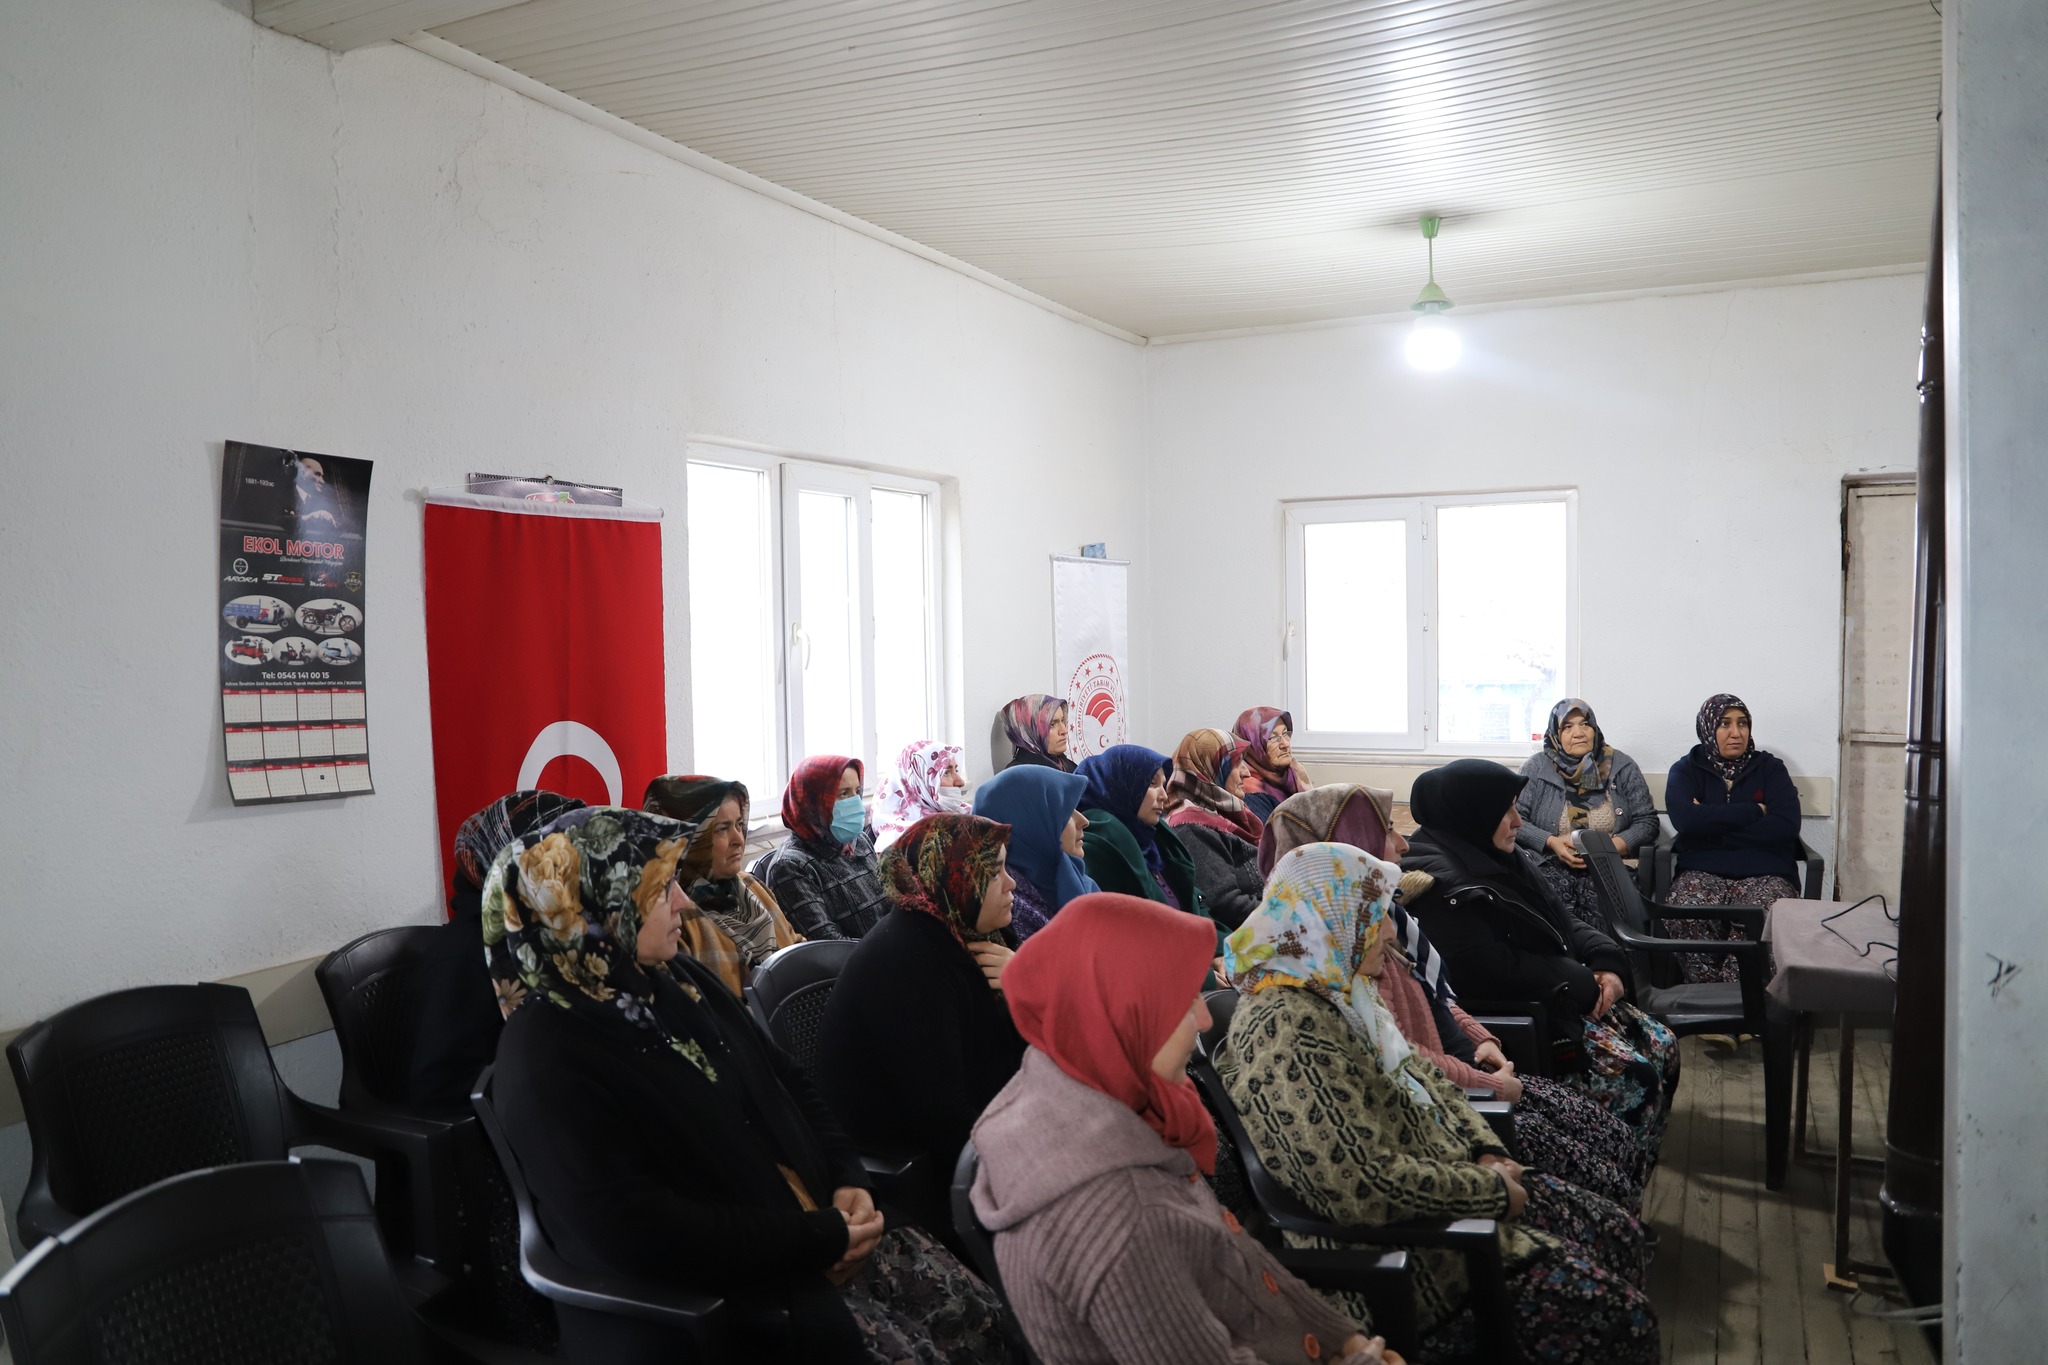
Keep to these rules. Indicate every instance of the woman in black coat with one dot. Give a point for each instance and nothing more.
(917, 1038)
(1504, 935)
(667, 1142)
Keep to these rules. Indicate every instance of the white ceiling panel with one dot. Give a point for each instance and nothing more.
(1176, 166)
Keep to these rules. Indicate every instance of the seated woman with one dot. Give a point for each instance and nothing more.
(1042, 808)
(667, 1142)
(1737, 816)
(1273, 774)
(824, 875)
(733, 923)
(927, 781)
(1127, 848)
(1503, 936)
(1557, 1128)
(1036, 726)
(1112, 1250)
(1206, 810)
(455, 1015)
(1581, 788)
(1344, 1113)
(917, 1040)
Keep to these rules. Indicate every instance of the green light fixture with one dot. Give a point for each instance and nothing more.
(1432, 345)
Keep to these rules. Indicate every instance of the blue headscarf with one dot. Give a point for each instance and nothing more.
(1117, 781)
(1036, 804)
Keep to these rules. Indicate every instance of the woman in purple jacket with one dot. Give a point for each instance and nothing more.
(1737, 816)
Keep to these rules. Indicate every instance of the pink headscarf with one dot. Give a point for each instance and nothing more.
(913, 792)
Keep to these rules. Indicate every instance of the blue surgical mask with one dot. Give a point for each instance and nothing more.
(849, 817)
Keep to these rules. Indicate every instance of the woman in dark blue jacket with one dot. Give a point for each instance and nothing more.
(1737, 816)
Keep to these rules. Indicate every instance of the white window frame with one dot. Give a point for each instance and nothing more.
(788, 477)
(1419, 514)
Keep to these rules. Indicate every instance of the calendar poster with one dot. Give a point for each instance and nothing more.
(291, 624)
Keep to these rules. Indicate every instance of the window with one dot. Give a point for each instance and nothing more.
(813, 615)
(1446, 624)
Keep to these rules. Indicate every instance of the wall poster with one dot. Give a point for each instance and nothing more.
(1091, 646)
(292, 703)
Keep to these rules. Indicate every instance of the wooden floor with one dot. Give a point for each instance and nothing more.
(1737, 1276)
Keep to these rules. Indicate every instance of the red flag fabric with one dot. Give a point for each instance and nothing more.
(545, 664)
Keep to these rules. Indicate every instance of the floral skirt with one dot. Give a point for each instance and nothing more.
(1632, 1070)
(1581, 1301)
(915, 1302)
(1574, 890)
(1704, 888)
(1565, 1131)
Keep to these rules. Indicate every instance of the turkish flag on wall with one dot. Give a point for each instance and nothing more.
(544, 653)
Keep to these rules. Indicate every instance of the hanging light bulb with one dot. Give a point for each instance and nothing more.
(1432, 343)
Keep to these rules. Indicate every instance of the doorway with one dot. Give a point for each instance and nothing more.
(1877, 655)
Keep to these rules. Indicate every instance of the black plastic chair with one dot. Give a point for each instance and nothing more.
(976, 1241)
(367, 984)
(1663, 860)
(246, 1264)
(791, 988)
(703, 1317)
(130, 1088)
(1685, 1008)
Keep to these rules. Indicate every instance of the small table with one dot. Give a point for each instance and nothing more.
(1831, 959)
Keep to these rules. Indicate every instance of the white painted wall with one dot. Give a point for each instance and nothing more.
(1707, 435)
(1995, 278)
(210, 231)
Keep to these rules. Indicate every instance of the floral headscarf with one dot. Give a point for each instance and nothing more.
(563, 908)
(481, 836)
(1708, 753)
(1195, 792)
(813, 790)
(1118, 779)
(729, 902)
(1325, 908)
(1345, 813)
(1255, 727)
(941, 866)
(912, 792)
(1585, 778)
(1027, 722)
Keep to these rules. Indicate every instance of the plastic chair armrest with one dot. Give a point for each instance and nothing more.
(1749, 916)
(1650, 943)
(891, 1163)
(427, 1149)
(40, 1216)
(1500, 1116)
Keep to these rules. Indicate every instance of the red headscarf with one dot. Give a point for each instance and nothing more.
(813, 789)
(1101, 988)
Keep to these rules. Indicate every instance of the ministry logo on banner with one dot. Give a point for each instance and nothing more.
(1091, 635)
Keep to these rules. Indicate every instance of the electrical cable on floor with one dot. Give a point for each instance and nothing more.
(1925, 1315)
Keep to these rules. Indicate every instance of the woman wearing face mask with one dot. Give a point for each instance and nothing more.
(1273, 775)
(668, 1142)
(825, 876)
(1112, 1248)
(1206, 810)
(1127, 846)
(1343, 1111)
(1036, 726)
(1737, 816)
(733, 922)
(1581, 789)
(927, 781)
(1042, 808)
(917, 1039)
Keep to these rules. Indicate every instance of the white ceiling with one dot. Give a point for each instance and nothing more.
(1176, 166)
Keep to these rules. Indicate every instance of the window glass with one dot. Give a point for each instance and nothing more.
(903, 611)
(1355, 649)
(1500, 636)
(828, 646)
(733, 636)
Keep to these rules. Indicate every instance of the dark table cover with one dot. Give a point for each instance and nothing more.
(1830, 968)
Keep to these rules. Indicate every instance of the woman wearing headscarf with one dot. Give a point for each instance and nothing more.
(1036, 726)
(1558, 1128)
(927, 781)
(455, 1014)
(824, 876)
(1504, 936)
(732, 923)
(668, 1142)
(1127, 846)
(917, 1039)
(1737, 816)
(1205, 808)
(1042, 807)
(1113, 1250)
(1581, 788)
(1343, 1111)
(1272, 774)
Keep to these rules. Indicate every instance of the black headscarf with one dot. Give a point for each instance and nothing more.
(1707, 753)
(1466, 798)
